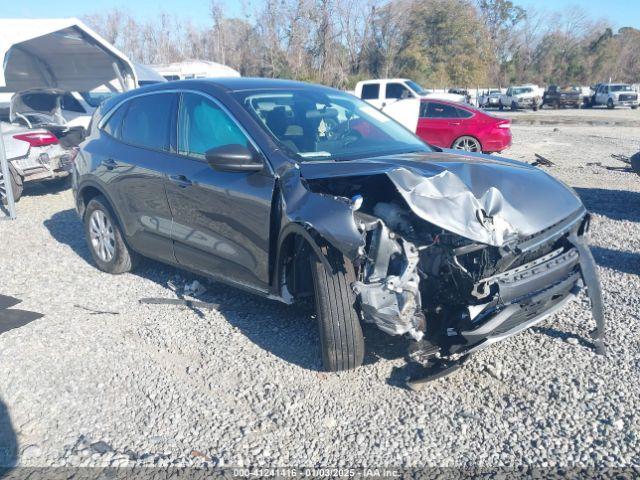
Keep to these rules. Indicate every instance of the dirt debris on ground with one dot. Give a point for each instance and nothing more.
(239, 383)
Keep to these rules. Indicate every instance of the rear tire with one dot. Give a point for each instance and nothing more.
(17, 185)
(341, 339)
(467, 143)
(104, 238)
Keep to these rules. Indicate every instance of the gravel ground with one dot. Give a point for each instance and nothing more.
(240, 385)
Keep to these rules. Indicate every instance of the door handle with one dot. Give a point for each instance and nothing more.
(454, 123)
(181, 181)
(109, 164)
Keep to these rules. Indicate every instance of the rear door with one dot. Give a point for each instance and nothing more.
(133, 156)
(439, 124)
(221, 220)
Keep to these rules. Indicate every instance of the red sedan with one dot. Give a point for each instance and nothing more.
(454, 125)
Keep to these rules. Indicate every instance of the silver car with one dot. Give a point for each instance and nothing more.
(33, 155)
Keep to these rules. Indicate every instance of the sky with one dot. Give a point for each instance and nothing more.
(620, 12)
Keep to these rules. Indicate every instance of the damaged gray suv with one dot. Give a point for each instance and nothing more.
(291, 190)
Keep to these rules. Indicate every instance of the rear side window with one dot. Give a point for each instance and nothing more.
(438, 110)
(147, 121)
(202, 125)
(397, 90)
(371, 91)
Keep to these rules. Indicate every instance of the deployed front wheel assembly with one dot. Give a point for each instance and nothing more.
(341, 338)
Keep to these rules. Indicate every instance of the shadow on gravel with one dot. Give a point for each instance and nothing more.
(8, 441)
(555, 333)
(66, 228)
(51, 187)
(288, 332)
(615, 204)
(627, 262)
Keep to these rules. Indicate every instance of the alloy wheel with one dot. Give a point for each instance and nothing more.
(103, 238)
(468, 144)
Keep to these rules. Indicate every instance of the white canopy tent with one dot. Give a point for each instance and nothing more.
(61, 53)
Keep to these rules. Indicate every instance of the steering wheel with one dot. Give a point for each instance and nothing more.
(336, 131)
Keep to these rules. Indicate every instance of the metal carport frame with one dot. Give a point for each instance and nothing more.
(62, 53)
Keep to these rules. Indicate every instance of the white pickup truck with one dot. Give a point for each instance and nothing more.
(615, 95)
(380, 93)
(522, 96)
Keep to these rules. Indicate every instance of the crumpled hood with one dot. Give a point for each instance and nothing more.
(486, 199)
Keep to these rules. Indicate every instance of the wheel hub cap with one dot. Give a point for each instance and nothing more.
(103, 239)
(467, 144)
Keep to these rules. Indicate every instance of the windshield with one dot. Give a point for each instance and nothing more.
(96, 98)
(520, 91)
(621, 88)
(416, 88)
(316, 125)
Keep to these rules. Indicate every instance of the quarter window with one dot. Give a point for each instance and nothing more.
(112, 127)
(202, 125)
(439, 110)
(147, 122)
(371, 91)
(463, 113)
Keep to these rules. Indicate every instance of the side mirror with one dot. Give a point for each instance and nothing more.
(233, 158)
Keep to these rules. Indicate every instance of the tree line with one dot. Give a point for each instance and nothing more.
(439, 43)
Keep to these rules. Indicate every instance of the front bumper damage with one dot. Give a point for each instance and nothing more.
(500, 305)
(456, 254)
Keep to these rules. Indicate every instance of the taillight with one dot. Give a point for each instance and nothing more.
(504, 125)
(37, 139)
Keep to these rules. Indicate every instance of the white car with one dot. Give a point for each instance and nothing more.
(33, 155)
(380, 93)
(490, 99)
(615, 95)
(522, 96)
(71, 109)
(50, 106)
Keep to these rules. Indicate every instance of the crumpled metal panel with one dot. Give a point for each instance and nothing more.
(331, 217)
(458, 192)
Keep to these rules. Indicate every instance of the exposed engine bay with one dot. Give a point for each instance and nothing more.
(451, 294)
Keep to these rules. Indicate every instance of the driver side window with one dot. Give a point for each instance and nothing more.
(202, 125)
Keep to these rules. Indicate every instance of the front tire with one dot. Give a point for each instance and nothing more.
(104, 238)
(341, 338)
(610, 104)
